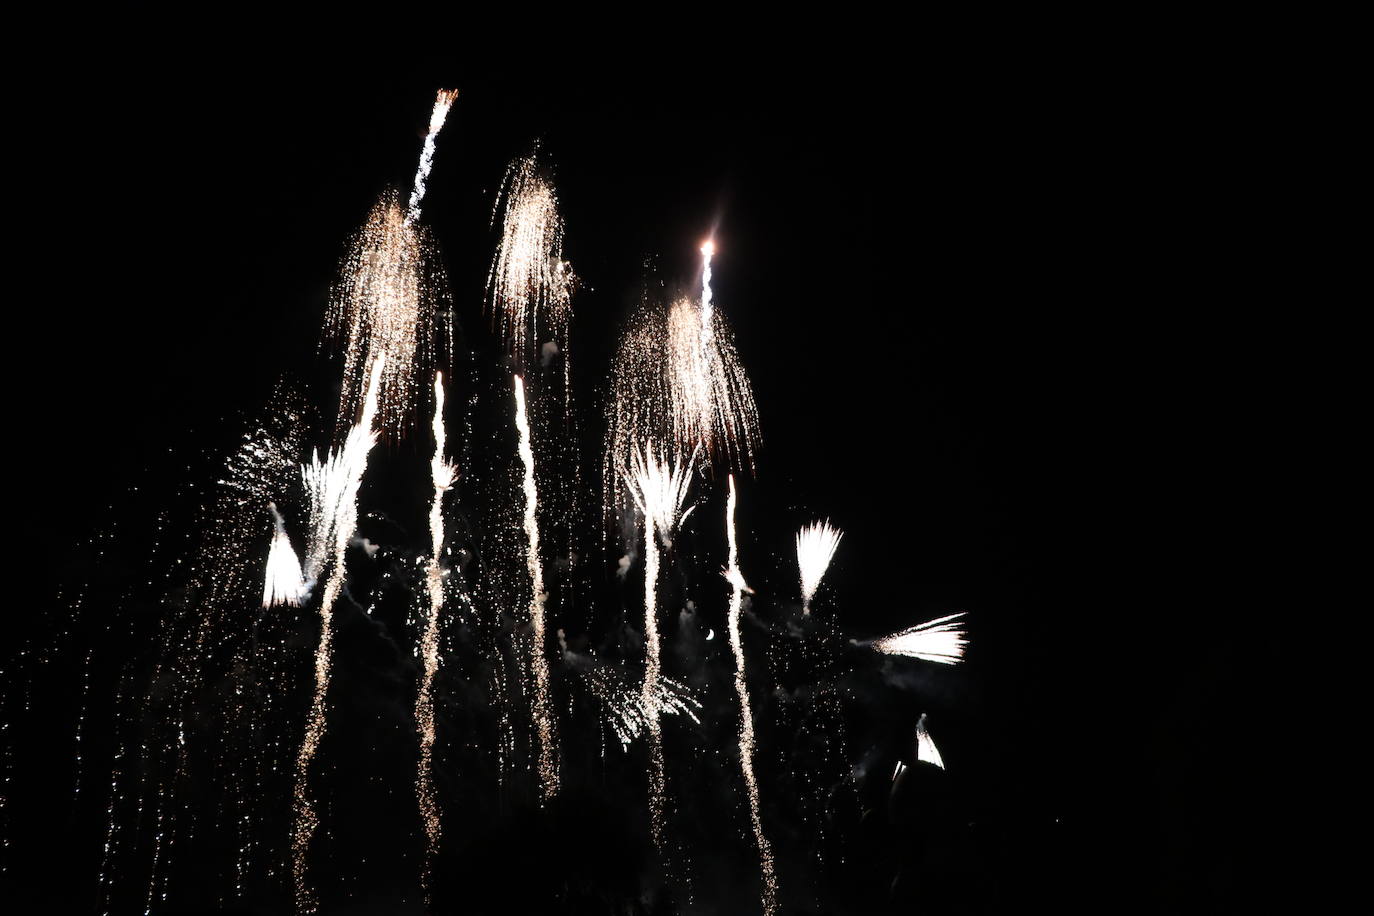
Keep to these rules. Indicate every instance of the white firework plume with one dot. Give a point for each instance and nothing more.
(332, 486)
(941, 640)
(543, 711)
(389, 303)
(816, 544)
(529, 282)
(283, 585)
(442, 103)
(746, 726)
(659, 489)
(711, 398)
(925, 747)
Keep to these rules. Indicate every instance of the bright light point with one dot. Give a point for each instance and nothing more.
(708, 248)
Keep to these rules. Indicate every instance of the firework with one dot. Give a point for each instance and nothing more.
(333, 489)
(442, 103)
(659, 489)
(539, 663)
(677, 378)
(442, 474)
(941, 640)
(746, 721)
(529, 280)
(625, 706)
(925, 747)
(389, 303)
(284, 585)
(816, 544)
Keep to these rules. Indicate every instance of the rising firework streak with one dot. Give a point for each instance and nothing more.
(284, 585)
(442, 474)
(941, 640)
(442, 103)
(333, 489)
(746, 724)
(539, 663)
(816, 544)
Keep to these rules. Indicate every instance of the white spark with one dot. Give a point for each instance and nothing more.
(284, 584)
(941, 640)
(442, 103)
(816, 544)
(925, 747)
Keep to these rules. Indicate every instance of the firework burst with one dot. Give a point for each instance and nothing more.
(941, 640)
(659, 489)
(284, 585)
(333, 489)
(529, 281)
(390, 303)
(816, 545)
(925, 747)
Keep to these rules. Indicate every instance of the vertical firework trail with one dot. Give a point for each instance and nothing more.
(659, 489)
(333, 488)
(443, 474)
(746, 720)
(545, 724)
(442, 103)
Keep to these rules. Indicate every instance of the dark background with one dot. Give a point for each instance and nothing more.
(930, 271)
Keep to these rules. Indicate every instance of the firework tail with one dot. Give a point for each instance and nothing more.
(442, 103)
(344, 520)
(925, 746)
(746, 725)
(442, 473)
(542, 708)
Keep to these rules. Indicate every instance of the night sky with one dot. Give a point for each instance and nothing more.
(915, 266)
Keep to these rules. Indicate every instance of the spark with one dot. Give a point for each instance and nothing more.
(941, 640)
(816, 544)
(539, 663)
(333, 489)
(389, 303)
(746, 726)
(659, 489)
(677, 377)
(529, 280)
(283, 585)
(442, 103)
(442, 475)
(925, 747)
(626, 710)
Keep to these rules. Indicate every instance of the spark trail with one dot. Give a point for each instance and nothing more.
(746, 722)
(941, 640)
(545, 724)
(659, 489)
(816, 545)
(442, 473)
(442, 103)
(333, 489)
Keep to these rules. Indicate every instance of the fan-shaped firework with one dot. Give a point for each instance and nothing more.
(283, 584)
(925, 747)
(816, 544)
(941, 640)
